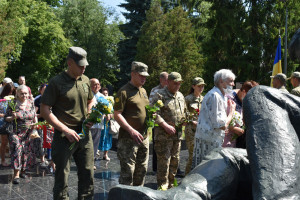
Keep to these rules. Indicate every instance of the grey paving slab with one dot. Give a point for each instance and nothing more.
(40, 181)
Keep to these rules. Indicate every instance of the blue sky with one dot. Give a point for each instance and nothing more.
(114, 4)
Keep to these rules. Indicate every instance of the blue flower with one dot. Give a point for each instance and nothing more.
(103, 101)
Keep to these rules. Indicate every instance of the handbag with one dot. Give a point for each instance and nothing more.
(7, 128)
(113, 127)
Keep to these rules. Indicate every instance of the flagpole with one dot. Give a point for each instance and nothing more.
(285, 45)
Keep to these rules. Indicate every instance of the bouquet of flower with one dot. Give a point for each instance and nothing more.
(192, 116)
(236, 121)
(38, 126)
(102, 107)
(151, 110)
(12, 104)
(110, 99)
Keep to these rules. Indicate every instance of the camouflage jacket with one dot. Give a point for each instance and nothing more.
(173, 112)
(296, 91)
(153, 92)
(193, 103)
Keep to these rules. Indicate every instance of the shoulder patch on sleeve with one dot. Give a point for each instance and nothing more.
(117, 100)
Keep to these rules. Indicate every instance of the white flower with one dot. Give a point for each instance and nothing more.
(9, 97)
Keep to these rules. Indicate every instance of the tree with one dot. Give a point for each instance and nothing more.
(86, 23)
(168, 43)
(44, 48)
(12, 30)
(131, 29)
(244, 37)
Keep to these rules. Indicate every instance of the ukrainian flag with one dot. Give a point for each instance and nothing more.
(277, 62)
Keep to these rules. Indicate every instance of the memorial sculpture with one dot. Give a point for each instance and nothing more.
(270, 170)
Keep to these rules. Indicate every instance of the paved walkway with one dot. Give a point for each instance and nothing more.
(39, 183)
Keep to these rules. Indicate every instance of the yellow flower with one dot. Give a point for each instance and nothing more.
(110, 99)
(9, 97)
(160, 103)
(163, 187)
(109, 108)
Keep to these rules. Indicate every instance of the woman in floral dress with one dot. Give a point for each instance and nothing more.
(25, 115)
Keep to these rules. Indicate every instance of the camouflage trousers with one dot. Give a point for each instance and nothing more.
(133, 161)
(189, 139)
(167, 152)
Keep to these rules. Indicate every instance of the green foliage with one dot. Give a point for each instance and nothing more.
(151, 110)
(86, 23)
(168, 43)
(244, 35)
(12, 30)
(44, 47)
(127, 49)
(53, 3)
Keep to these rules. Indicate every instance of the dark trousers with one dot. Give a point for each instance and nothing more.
(154, 157)
(82, 153)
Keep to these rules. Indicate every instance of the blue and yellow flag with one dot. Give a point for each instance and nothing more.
(277, 62)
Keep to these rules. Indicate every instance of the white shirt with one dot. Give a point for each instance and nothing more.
(212, 117)
(99, 125)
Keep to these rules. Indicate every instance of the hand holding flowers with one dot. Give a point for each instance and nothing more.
(151, 111)
(236, 121)
(12, 104)
(102, 107)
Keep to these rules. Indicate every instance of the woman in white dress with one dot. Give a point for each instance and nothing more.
(213, 118)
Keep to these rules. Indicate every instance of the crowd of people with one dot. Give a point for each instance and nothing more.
(206, 122)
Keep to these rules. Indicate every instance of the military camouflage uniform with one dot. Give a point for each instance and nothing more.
(167, 146)
(283, 89)
(131, 101)
(193, 103)
(296, 91)
(154, 91)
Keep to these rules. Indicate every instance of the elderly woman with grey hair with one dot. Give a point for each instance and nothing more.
(25, 116)
(213, 118)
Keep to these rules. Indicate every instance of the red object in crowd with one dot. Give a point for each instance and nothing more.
(48, 136)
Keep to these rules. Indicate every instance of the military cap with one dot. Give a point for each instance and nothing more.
(78, 54)
(140, 68)
(279, 76)
(295, 74)
(175, 76)
(198, 81)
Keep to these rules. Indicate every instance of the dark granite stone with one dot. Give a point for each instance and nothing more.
(217, 177)
(273, 130)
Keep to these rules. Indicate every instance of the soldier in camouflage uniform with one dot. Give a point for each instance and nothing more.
(163, 81)
(168, 134)
(130, 113)
(295, 80)
(193, 103)
(279, 81)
